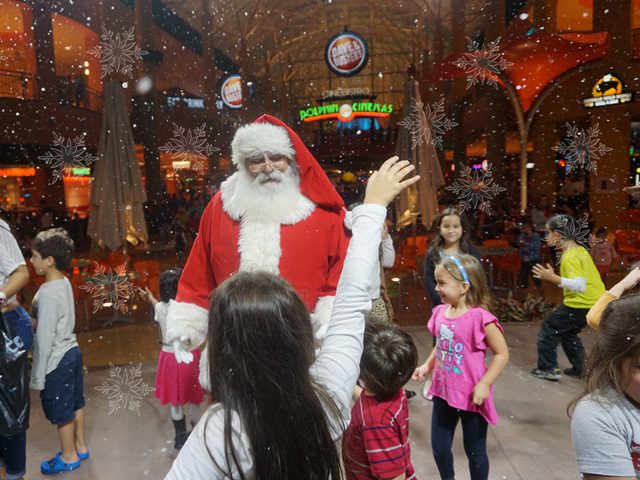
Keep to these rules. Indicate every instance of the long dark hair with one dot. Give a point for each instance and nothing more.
(261, 347)
(618, 339)
(437, 244)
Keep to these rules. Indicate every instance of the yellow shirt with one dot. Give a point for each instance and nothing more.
(577, 262)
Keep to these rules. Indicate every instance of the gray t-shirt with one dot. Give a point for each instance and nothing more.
(54, 307)
(606, 435)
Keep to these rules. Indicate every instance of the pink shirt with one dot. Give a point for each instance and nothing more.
(460, 359)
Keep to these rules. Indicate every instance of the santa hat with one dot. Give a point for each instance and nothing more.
(268, 134)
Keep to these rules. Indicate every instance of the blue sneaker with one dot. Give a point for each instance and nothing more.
(81, 456)
(57, 465)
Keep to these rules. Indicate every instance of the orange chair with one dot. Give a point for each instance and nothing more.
(630, 215)
(117, 258)
(149, 275)
(406, 258)
(628, 244)
(509, 262)
(420, 242)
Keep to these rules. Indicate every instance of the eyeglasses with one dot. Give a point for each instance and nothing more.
(258, 164)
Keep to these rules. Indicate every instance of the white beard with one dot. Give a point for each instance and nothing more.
(261, 208)
(256, 199)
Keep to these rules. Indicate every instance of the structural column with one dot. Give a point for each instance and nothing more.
(494, 11)
(45, 59)
(149, 101)
(606, 197)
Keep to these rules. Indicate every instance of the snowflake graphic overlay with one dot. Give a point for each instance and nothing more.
(574, 229)
(475, 188)
(481, 64)
(427, 123)
(110, 288)
(67, 154)
(124, 388)
(581, 148)
(191, 146)
(117, 52)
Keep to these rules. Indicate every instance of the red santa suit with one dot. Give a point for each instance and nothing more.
(300, 237)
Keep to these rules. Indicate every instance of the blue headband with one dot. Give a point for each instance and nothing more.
(461, 268)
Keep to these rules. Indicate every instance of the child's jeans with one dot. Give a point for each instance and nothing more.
(562, 325)
(474, 436)
(13, 448)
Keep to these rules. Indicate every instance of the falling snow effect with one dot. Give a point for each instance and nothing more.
(581, 148)
(110, 288)
(117, 52)
(482, 64)
(67, 154)
(475, 188)
(427, 124)
(189, 147)
(124, 388)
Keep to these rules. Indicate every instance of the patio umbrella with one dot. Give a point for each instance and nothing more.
(117, 194)
(421, 198)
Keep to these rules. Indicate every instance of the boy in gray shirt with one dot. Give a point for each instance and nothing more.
(57, 361)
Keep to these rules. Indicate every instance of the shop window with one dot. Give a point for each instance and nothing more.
(78, 73)
(17, 51)
(575, 15)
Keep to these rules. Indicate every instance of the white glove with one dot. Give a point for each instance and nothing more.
(181, 350)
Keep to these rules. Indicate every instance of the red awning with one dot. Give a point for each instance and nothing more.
(537, 60)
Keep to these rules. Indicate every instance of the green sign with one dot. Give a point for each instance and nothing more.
(345, 112)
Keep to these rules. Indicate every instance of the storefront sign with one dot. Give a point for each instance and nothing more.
(190, 102)
(346, 53)
(18, 172)
(346, 92)
(345, 112)
(80, 171)
(607, 91)
(231, 91)
(181, 164)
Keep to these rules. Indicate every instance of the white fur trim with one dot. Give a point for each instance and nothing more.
(203, 375)
(321, 316)
(239, 198)
(258, 138)
(189, 320)
(259, 246)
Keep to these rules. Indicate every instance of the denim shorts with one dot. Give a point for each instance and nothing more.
(20, 323)
(63, 392)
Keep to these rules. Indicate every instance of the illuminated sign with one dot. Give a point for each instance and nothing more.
(231, 91)
(181, 164)
(607, 91)
(18, 172)
(346, 54)
(189, 101)
(80, 171)
(345, 112)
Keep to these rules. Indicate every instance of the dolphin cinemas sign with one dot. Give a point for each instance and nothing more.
(345, 112)
(346, 53)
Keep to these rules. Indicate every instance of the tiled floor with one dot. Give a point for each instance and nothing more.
(532, 440)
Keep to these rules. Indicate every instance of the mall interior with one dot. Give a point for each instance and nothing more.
(512, 110)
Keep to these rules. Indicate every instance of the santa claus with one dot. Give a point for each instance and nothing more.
(277, 213)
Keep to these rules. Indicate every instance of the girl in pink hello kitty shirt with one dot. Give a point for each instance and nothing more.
(462, 384)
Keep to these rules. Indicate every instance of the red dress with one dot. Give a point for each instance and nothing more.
(176, 383)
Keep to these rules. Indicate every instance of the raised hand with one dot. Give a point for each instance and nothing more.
(386, 183)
